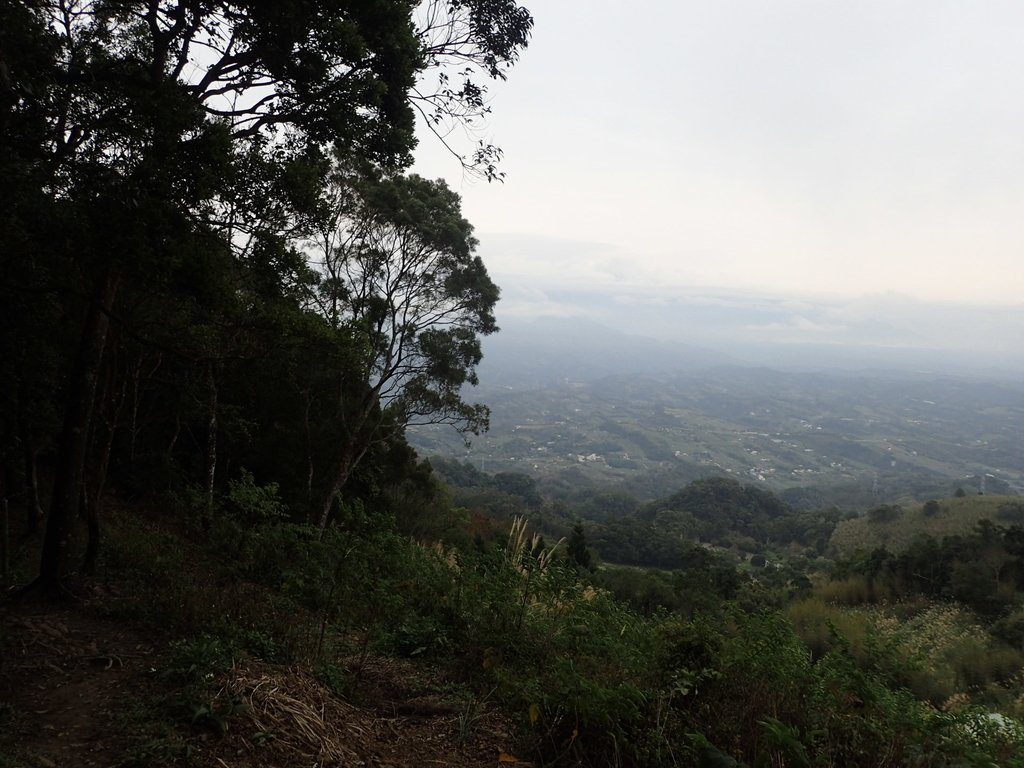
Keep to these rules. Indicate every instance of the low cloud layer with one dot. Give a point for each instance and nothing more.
(565, 280)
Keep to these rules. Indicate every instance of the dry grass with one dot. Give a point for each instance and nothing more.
(291, 719)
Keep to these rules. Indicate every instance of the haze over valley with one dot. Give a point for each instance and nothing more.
(821, 424)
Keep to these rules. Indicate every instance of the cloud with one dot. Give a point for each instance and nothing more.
(550, 259)
(520, 302)
(797, 323)
(563, 278)
(790, 146)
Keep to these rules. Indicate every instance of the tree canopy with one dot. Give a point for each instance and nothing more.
(401, 282)
(163, 162)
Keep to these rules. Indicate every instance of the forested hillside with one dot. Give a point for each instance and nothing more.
(228, 303)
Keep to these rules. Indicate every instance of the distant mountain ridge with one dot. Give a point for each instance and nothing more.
(878, 332)
(548, 351)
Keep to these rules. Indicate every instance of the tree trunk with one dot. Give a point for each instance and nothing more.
(211, 444)
(139, 381)
(342, 471)
(92, 542)
(350, 458)
(30, 482)
(113, 400)
(33, 507)
(74, 439)
(309, 451)
(360, 433)
(5, 543)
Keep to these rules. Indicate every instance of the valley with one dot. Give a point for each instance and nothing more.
(847, 439)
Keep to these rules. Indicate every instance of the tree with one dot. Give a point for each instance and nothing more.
(402, 285)
(474, 38)
(518, 484)
(132, 123)
(884, 513)
(577, 550)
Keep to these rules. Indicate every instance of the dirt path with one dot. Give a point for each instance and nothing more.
(66, 678)
(70, 681)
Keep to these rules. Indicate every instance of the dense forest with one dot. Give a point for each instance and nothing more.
(212, 257)
(226, 301)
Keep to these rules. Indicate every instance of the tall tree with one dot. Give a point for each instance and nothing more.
(402, 284)
(576, 549)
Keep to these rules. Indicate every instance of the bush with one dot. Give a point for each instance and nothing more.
(590, 679)
(860, 721)
(884, 513)
(818, 623)
(853, 590)
(1011, 512)
(254, 503)
(980, 738)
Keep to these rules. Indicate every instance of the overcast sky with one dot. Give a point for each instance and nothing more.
(804, 147)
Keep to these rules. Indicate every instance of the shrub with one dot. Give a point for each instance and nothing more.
(884, 513)
(853, 590)
(858, 719)
(817, 624)
(980, 738)
(1011, 512)
(254, 503)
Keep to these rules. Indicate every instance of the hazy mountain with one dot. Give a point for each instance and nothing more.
(550, 350)
(544, 350)
(584, 333)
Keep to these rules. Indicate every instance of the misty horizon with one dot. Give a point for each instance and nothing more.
(733, 328)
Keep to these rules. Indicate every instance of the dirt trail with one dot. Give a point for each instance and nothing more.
(65, 678)
(68, 678)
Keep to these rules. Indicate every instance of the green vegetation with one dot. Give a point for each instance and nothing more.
(790, 661)
(214, 258)
(683, 667)
(896, 528)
